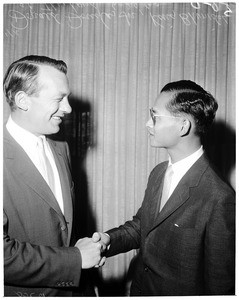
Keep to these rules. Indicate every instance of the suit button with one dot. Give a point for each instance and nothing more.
(60, 283)
(63, 227)
(146, 269)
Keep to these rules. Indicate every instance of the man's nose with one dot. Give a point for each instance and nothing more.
(65, 106)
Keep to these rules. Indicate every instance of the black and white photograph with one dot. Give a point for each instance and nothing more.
(119, 149)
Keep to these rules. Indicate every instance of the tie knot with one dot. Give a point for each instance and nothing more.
(169, 171)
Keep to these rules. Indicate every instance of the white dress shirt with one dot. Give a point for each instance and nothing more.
(28, 142)
(181, 167)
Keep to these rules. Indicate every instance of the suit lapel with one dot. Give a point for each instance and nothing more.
(155, 194)
(65, 179)
(16, 158)
(181, 193)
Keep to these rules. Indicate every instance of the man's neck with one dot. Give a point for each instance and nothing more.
(183, 151)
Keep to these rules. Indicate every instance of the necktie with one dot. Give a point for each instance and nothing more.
(166, 186)
(46, 167)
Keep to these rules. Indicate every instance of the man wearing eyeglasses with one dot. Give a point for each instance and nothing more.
(185, 228)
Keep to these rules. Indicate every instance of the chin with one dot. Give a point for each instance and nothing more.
(56, 130)
(155, 144)
(152, 144)
(53, 130)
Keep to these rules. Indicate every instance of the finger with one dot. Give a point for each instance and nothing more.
(96, 237)
(103, 246)
(102, 261)
(97, 246)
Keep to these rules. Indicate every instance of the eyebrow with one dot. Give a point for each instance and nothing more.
(63, 94)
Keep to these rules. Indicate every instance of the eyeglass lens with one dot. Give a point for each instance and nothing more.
(152, 115)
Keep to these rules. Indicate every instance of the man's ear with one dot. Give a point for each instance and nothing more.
(22, 101)
(186, 127)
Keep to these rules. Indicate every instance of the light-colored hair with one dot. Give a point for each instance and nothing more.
(22, 75)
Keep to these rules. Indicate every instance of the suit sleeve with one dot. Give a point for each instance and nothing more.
(126, 237)
(26, 264)
(220, 249)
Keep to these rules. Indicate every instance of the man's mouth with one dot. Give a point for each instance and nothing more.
(151, 133)
(57, 118)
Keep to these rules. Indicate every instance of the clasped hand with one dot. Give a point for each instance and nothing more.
(93, 249)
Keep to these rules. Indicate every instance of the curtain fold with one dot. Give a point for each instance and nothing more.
(119, 56)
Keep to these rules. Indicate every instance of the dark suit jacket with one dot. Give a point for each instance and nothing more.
(187, 248)
(37, 256)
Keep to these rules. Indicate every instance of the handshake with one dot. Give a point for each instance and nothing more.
(92, 250)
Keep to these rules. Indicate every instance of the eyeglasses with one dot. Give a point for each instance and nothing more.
(154, 116)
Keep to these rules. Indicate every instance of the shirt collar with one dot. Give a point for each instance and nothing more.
(21, 135)
(187, 162)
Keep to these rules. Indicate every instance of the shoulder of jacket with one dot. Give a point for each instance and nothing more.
(160, 166)
(158, 169)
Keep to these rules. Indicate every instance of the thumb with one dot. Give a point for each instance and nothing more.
(96, 237)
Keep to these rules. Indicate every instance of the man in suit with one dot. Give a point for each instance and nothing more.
(185, 228)
(39, 257)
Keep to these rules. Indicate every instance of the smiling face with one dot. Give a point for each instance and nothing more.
(165, 131)
(47, 108)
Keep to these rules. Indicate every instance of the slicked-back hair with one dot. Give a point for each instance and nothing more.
(190, 98)
(22, 75)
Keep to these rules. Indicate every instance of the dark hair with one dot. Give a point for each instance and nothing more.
(22, 76)
(190, 98)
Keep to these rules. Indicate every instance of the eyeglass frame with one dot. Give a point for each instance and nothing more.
(154, 116)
